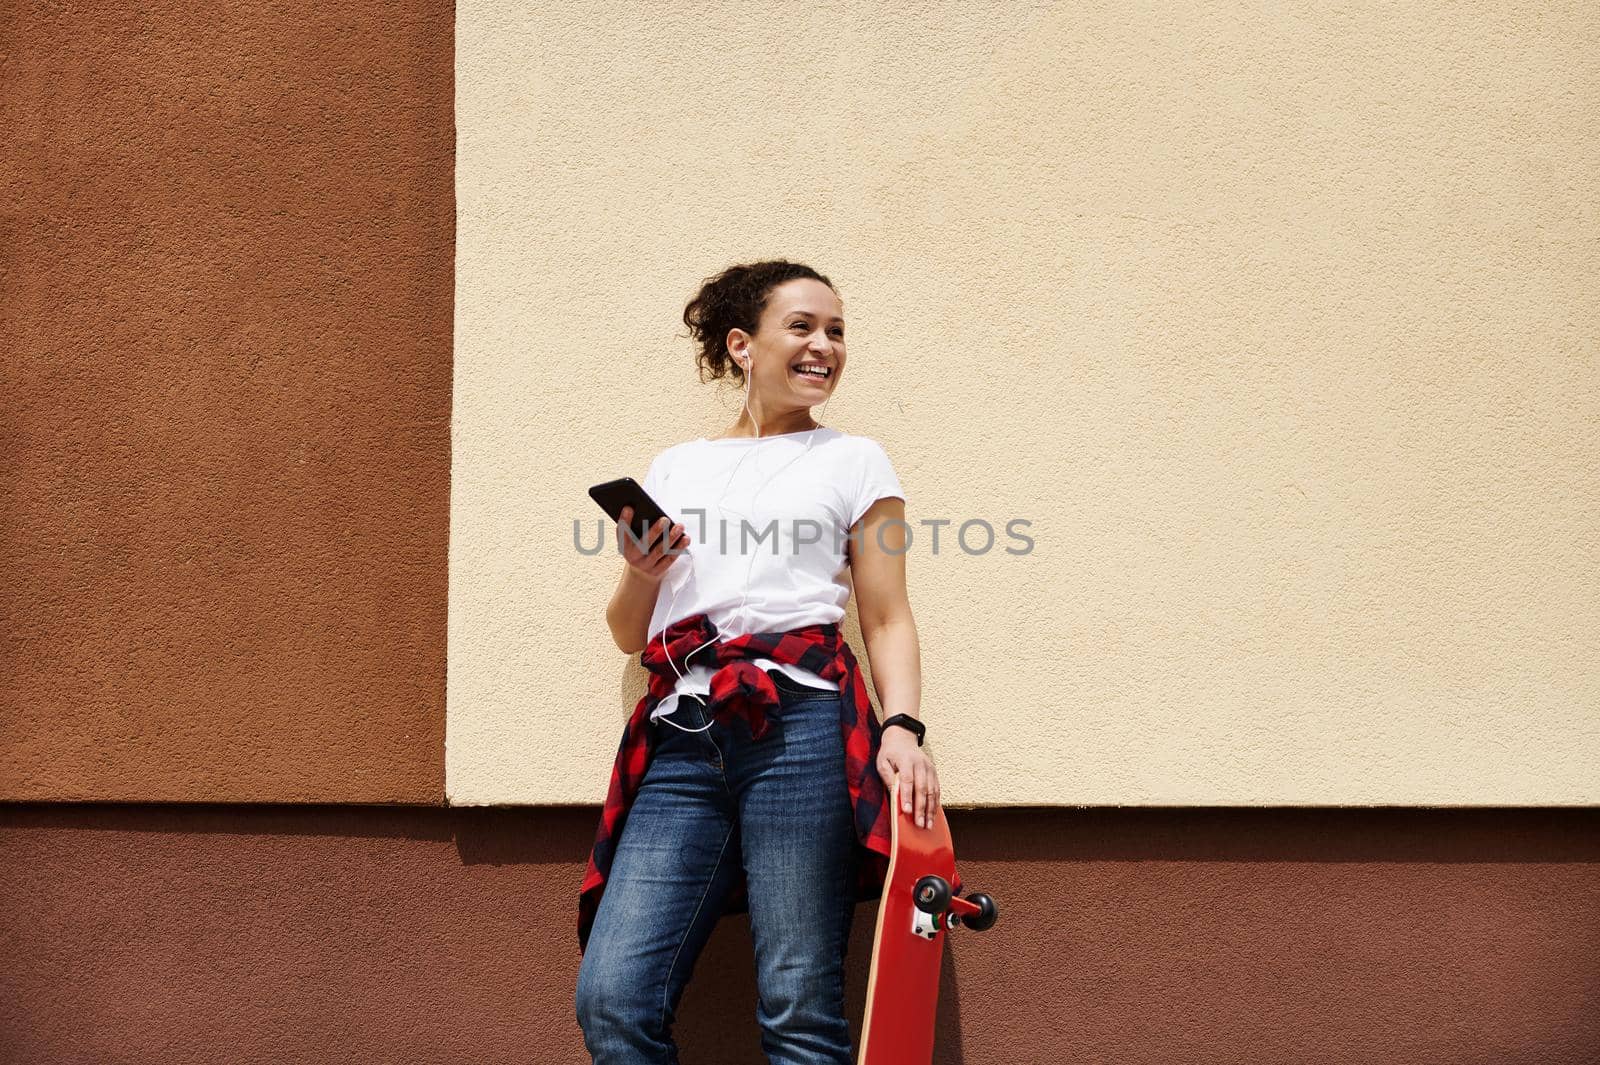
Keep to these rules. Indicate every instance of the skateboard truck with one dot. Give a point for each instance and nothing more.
(936, 905)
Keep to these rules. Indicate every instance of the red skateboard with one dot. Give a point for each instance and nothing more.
(918, 906)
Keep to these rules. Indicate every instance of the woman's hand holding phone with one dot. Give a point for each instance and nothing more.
(652, 561)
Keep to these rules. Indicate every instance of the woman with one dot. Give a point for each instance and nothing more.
(753, 775)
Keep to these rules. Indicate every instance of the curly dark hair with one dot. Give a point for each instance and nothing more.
(734, 299)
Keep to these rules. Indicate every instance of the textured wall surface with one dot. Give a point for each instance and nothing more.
(199, 935)
(225, 301)
(1278, 322)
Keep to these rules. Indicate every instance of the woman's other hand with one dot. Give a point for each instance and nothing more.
(899, 754)
(652, 561)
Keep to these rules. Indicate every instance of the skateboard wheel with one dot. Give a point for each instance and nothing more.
(932, 894)
(987, 912)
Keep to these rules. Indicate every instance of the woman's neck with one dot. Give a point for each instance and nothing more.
(795, 421)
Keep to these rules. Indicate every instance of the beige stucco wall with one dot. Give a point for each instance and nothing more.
(1279, 324)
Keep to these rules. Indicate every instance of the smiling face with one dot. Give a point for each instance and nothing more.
(802, 326)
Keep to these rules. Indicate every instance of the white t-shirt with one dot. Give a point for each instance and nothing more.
(768, 522)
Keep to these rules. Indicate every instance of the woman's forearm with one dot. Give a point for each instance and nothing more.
(896, 664)
(628, 613)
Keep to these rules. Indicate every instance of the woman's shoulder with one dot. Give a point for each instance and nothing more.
(860, 444)
(673, 449)
(843, 440)
(849, 446)
(666, 455)
(662, 465)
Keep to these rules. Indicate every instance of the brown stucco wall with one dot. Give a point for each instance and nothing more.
(225, 310)
(368, 934)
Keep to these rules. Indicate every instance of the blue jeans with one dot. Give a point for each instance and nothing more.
(712, 803)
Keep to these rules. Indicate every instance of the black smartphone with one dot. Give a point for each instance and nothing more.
(626, 492)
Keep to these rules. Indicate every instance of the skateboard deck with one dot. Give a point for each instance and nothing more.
(913, 916)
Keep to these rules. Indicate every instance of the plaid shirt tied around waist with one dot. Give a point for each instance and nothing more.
(740, 688)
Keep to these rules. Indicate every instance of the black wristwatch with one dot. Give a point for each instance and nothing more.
(906, 721)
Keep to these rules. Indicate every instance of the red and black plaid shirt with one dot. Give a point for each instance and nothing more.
(740, 688)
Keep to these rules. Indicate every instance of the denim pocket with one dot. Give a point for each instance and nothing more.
(682, 733)
(791, 690)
